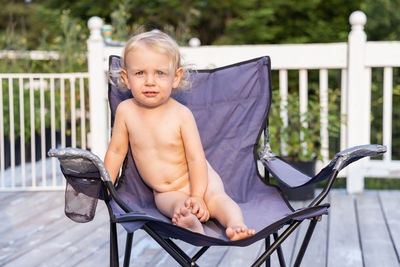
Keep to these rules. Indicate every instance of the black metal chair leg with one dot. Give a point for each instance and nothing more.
(128, 249)
(113, 245)
(279, 252)
(200, 253)
(276, 244)
(267, 244)
(180, 258)
(306, 240)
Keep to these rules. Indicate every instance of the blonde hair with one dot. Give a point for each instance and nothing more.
(162, 43)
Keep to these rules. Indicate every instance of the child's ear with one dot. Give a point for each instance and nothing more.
(125, 78)
(177, 78)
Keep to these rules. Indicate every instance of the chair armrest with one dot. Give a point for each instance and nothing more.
(293, 178)
(75, 160)
(352, 154)
(343, 159)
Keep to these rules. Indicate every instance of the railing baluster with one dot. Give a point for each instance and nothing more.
(53, 128)
(22, 130)
(283, 91)
(2, 163)
(32, 117)
(73, 112)
(303, 101)
(323, 98)
(62, 111)
(368, 88)
(343, 109)
(12, 135)
(42, 130)
(387, 111)
(83, 113)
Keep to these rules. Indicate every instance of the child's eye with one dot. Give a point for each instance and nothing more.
(139, 73)
(160, 72)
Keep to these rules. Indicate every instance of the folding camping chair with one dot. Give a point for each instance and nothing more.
(231, 106)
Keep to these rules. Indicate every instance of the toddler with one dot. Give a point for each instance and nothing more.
(165, 142)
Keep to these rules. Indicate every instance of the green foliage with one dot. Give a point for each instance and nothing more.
(302, 134)
(36, 27)
(311, 129)
(289, 21)
(383, 19)
(120, 18)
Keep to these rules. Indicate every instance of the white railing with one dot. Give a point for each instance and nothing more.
(49, 108)
(354, 59)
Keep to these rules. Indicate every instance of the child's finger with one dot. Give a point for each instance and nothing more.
(195, 208)
(205, 217)
(201, 213)
(188, 203)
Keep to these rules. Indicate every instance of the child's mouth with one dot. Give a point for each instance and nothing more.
(150, 93)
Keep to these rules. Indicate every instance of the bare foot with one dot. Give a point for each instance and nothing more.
(185, 219)
(239, 233)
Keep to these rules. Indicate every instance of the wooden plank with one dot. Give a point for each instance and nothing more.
(167, 260)
(7, 197)
(377, 247)
(343, 244)
(241, 256)
(76, 244)
(213, 256)
(20, 237)
(45, 230)
(23, 209)
(101, 256)
(25, 201)
(390, 205)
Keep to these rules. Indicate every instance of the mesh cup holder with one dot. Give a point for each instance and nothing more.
(81, 195)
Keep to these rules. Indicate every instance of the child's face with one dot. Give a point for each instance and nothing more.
(150, 77)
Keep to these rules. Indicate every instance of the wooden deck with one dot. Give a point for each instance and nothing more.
(361, 230)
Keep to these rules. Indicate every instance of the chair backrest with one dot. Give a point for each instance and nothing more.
(230, 105)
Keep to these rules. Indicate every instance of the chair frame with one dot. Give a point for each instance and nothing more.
(178, 254)
(340, 161)
(185, 260)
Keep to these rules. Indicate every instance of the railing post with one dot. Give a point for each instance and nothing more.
(97, 89)
(358, 99)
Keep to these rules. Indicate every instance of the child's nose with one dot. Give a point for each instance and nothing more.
(150, 79)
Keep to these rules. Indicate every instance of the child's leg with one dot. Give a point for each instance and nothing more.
(224, 209)
(172, 205)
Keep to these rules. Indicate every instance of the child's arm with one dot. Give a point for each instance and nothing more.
(118, 146)
(197, 165)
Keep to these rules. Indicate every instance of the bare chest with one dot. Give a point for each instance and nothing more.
(162, 134)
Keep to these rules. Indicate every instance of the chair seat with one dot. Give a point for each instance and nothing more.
(271, 213)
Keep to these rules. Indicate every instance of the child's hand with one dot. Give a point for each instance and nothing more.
(198, 207)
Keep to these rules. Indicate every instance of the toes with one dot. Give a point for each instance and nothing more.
(239, 233)
(230, 232)
(184, 212)
(188, 203)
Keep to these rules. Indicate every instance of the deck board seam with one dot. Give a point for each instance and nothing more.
(388, 227)
(359, 230)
